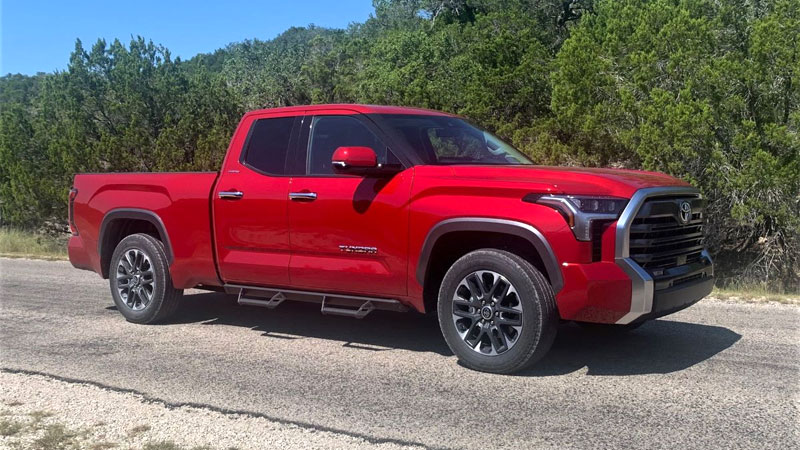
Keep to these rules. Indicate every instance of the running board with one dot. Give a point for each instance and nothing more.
(331, 304)
(272, 303)
(362, 311)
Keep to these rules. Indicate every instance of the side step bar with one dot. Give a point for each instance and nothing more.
(272, 303)
(331, 304)
(362, 311)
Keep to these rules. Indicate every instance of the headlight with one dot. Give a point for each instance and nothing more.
(598, 205)
(580, 211)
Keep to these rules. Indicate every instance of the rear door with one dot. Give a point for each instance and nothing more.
(250, 203)
(348, 233)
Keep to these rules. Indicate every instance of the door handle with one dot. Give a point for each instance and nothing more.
(303, 196)
(231, 195)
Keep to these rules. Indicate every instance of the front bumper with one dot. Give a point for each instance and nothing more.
(623, 291)
(603, 292)
(674, 299)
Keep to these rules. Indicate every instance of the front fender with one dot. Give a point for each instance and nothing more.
(493, 225)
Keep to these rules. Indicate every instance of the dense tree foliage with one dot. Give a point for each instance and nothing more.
(707, 91)
(704, 90)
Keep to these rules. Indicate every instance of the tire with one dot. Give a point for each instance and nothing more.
(496, 345)
(140, 260)
(609, 329)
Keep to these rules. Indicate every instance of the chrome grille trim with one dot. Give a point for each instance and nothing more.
(641, 280)
(661, 240)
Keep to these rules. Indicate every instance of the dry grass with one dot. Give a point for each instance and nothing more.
(39, 416)
(138, 429)
(755, 295)
(26, 244)
(10, 427)
(57, 437)
(163, 445)
(41, 430)
(169, 445)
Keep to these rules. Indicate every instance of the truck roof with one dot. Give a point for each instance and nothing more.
(358, 108)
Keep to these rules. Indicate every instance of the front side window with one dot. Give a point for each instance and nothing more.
(268, 145)
(446, 140)
(331, 132)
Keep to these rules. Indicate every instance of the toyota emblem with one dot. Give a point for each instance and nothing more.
(685, 213)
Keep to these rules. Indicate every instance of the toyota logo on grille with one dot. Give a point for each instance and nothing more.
(685, 213)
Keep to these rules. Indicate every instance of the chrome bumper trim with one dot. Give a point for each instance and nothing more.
(641, 281)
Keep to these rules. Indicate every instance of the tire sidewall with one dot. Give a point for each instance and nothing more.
(532, 314)
(154, 252)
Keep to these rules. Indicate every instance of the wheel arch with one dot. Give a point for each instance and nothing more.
(472, 233)
(122, 222)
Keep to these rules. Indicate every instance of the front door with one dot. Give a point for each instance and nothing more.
(348, 233)
(250, 204)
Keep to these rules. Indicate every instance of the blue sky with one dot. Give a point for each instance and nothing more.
(38, 36)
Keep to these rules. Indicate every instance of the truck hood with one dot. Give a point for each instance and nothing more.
(571, 180)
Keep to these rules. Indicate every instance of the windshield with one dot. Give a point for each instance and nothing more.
(451, 140)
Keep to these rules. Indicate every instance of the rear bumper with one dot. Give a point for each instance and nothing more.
(78, 255)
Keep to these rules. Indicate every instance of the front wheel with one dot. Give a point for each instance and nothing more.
(140, 281)
(497, 312)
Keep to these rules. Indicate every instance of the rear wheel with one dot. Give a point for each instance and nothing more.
(497, 312)
(140, 281)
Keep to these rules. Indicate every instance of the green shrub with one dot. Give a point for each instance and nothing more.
(706, 91)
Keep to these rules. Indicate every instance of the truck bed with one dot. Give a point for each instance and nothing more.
(179, 201)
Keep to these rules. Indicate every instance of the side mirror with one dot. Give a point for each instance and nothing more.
(354, 160)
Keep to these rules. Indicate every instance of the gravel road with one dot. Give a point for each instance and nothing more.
(718, 374)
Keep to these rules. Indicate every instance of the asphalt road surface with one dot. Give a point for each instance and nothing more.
(715, 375)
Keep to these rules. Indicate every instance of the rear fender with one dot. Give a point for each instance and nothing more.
(104, 237)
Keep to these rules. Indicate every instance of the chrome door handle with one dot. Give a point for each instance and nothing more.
(231, 195)
(303, 196)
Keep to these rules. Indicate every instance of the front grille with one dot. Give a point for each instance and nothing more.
(660, 240)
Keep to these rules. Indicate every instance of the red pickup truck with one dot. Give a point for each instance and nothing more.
(361, 207)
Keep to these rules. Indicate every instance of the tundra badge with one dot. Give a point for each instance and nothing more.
(358, 249)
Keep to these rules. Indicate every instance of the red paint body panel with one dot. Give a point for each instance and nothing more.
(356, 156)
(356, 212)
(352, 108)
(252, 233)
(180, 200)
(571, 180)
(596, 292)
(326, 244)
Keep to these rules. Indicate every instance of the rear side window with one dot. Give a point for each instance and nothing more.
(268, 145)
